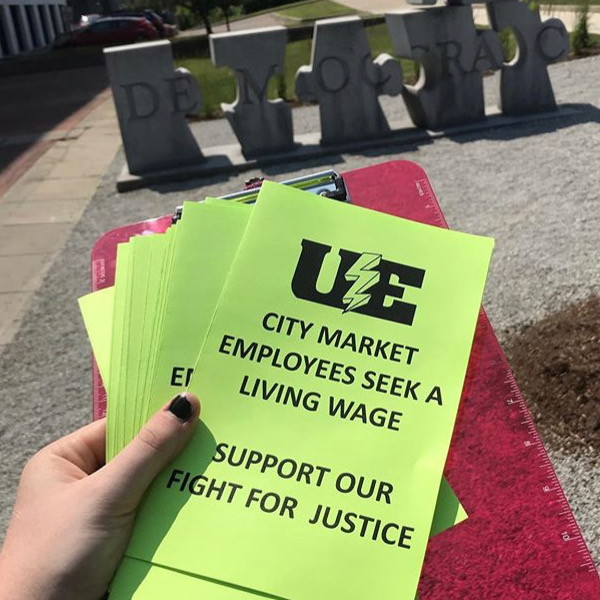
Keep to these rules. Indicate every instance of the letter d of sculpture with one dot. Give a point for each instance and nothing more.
(152, 99)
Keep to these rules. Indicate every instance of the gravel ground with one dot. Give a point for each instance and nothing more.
(534, 188)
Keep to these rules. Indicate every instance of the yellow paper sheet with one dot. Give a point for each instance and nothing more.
(97, 311)
(336, 359)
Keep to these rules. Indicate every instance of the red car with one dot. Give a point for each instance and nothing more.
(111, 31)
(165, 30)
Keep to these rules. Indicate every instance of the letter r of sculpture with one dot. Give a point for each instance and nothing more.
(453, 56)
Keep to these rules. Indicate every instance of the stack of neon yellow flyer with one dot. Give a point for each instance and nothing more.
(328, 344)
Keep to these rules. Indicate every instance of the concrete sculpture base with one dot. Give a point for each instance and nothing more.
(229, 158)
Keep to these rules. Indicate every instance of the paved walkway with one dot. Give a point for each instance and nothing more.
(379, 7)
(266, 20)
(567, 14)
(25, 120)
(38, 212)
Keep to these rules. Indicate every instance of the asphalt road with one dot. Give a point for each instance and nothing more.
(534, 188)
(37, 103)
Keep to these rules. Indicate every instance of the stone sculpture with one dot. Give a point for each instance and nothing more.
(152, 100)
(346, 82)
(262, 126)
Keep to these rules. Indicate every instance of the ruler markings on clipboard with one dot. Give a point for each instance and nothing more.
(569, 531)
(425, 190)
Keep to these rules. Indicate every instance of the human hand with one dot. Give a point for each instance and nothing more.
(74, 514)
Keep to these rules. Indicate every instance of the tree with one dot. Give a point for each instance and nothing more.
(226, 7)
(202, 8)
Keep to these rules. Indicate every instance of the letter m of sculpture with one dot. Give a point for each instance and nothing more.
(262, 126)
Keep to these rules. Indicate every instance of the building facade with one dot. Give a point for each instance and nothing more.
(29, 24)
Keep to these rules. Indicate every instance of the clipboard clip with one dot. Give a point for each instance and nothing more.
(324, 183)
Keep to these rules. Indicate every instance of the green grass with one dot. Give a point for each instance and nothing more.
(316, 9)
(324, 9)
(573, 3)
(218, 85)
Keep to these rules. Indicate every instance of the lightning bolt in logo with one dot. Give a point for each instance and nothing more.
(364, 277)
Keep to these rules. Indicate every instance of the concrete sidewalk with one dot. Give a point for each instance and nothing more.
(251, 22)
(568, 14)
(40, 107)
(39, 211)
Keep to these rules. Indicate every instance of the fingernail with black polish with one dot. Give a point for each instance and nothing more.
(181, 407)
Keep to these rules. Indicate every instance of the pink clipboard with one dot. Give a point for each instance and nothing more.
(521, 541)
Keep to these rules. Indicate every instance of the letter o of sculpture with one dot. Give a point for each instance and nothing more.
(332, 74)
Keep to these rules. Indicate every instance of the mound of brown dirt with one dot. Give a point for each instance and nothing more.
(557, 365)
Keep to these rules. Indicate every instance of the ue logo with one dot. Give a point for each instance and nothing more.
(363, 282)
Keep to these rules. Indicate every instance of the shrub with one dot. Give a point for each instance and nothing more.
(509, 44)
(185, 18)
(281, 87)
(216, 14)
(580, 38)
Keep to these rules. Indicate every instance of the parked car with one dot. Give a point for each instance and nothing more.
(164, 29)
(110, 31)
